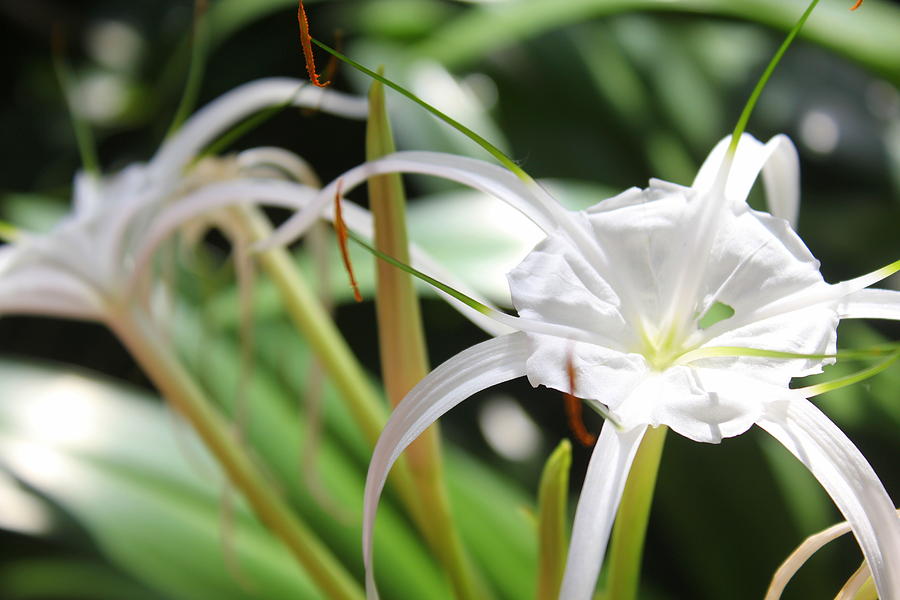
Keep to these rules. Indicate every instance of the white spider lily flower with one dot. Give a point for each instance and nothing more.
(82, 269)
(618, 293)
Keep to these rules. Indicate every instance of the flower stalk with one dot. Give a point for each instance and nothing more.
(313, 321)
(158, 360)
(404, 356)
(629, 532)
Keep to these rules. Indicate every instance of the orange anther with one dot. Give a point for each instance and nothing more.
(341, 230)
(573, 411)
(857, 5)
(306, 43)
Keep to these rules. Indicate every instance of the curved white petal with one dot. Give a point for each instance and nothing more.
(224, 112)
(850, 481)
(798, 558)
(31, 285)
(855, 583)
(871, 304)
(285, 160)
(289, 195)
(781, 176)
(216, 196)
(473, 173)
(597, 506)
(778, 161)
(472, 370)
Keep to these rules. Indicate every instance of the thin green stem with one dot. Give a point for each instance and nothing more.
(314, 322)
(87, 147)
(627, 546)
(199, 44)
(467, 300)
(764, 79)
(852, 379)
(158, 360)
(491, 148)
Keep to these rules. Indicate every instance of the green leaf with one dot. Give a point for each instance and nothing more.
(111, 458)
(553, 498)
(59, 578)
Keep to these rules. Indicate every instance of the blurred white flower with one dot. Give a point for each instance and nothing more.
(83, 268)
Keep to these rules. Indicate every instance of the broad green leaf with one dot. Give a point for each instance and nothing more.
(111, 458)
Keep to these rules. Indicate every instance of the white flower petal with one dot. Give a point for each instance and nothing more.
(476, 174)
(227, 110)
(286, 161)
(556, 284)
(30, 287)
(798, 558)
(855, 583)
(778, 161)
(212, 197)
(704, 405)
(781, 176)
(472, 370)
(849, 480)
(871, 304)
(600, 495)
(810, 331)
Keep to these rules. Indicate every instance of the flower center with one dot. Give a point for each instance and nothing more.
(661, 348)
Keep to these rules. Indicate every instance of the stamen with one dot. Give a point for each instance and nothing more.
(341, 228)
(306, 44)
(573, 410)
(857, 5)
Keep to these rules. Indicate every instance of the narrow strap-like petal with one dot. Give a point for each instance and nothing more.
(44, 291)
(287, 195)
(476, 174)
(597, 506)
(798, 558)
(781, 176)
(778, 161)
(210, 122)
(210, 198)
(871, 304)
(850, 481)
(230, 108)
(472, 370)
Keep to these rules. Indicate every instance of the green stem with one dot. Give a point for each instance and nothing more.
(319, 330)
(627, 547)
(764, 78)
(404, 357)
(158, 360)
